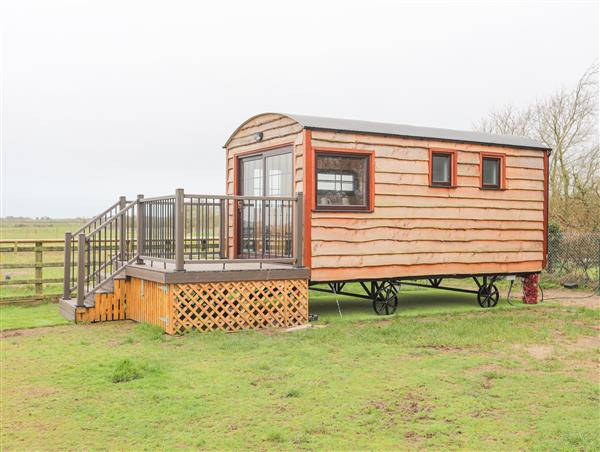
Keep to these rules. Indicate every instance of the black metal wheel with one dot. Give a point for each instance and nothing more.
(386, 299)
(488, 295)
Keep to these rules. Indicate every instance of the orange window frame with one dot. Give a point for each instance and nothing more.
(370, 155)
(502, 178)
(453, 167)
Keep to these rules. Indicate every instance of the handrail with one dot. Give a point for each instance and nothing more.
(113, 218)
(96, 218)
(244, 197)
(158, 198)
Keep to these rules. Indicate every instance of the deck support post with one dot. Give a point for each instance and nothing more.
(299, 230)
(140, 229)
(67, 268)
(80, 269)
(179, 229)
(121, 229)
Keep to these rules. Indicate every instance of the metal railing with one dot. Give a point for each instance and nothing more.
(182, 229)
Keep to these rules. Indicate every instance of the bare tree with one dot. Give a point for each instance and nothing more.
(567, 122)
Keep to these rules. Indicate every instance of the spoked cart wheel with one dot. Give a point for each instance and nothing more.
(488, 295)
(385, 301)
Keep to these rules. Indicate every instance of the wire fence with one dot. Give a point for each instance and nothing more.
(574, 258)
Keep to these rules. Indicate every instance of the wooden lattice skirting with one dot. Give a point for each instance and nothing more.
(206, 306)
(233, 306)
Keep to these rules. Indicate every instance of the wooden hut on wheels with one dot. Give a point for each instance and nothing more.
(314, 201)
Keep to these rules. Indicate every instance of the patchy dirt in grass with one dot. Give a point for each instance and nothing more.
(567, 297)
(540, 351)
(40, 392)
(29, 331)
(584, 343)
(122, 325)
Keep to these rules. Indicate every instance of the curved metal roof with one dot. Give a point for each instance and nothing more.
(403, 130)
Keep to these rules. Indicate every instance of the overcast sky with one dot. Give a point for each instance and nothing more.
(102, 98)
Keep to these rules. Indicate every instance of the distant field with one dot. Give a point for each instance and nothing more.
(37, 229)
(28, 229)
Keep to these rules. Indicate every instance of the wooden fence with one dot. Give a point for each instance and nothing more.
(32, 269)
(23, 263)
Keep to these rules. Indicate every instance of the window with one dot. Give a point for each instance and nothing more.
(442, 168)
(492, 170)
(342, 181)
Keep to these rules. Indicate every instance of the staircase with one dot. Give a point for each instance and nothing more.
(96, 253)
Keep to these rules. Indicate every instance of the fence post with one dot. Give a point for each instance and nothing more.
(80, 269)
(39, 269)
(140, 229)
(121, 229)
(67, 269)
(299, 230)
(179, 232)
(598, 266)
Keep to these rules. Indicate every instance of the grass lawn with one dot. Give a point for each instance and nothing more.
(442, 373)
(30, 316)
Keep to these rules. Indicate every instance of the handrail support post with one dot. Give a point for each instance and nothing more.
(121, 229)
(179, 229)
(81, 269)
(139, 236)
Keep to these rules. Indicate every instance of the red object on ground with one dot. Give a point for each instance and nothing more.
(530, 288)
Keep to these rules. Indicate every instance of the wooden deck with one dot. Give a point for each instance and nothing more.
(227, 296)
(163, 272)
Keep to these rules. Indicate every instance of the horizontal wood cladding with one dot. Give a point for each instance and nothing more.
(409, 224)
(396, 247)
(364, 141)
(412, 235)
(417, 270)
(442, 212)
(432, 257)
(417, 230)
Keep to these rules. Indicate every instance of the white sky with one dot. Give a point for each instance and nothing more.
(102, 98)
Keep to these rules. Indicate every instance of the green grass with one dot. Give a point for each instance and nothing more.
(441, 374)
(30, 316)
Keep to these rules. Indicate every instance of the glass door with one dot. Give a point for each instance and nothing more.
(265, 227)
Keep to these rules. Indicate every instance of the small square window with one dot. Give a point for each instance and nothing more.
(342, 181)
(441, 169)
(491, 168)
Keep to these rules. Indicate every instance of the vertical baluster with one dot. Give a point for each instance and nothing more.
(179, 257)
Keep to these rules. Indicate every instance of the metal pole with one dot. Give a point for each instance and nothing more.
(67, 269)
(299, 231)
(222, 228)
(179, 230)
(140, 229)
(598, 266)
(226, 238)
(121, 229)
(80, 269)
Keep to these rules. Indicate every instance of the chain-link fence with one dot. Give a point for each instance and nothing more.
(574, 258)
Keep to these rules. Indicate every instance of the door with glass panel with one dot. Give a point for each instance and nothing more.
(265, 226)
